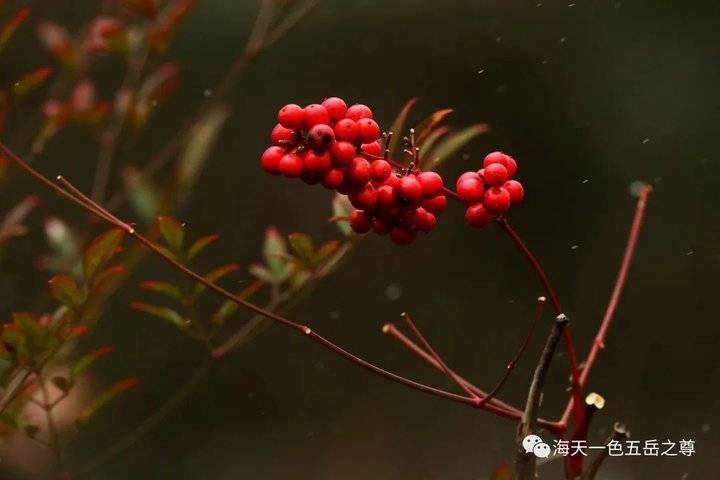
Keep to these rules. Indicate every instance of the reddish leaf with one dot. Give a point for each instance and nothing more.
(64, 289)
(201, 244)
(104, 398)
(100, 252)
(398, 126)
(9, 29)
(163, 313)
(166, 288)
(83, 363)
(30, 81)
(173, 232)
(427, 126)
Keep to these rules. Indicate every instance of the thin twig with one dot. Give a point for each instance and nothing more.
(525, 462)
(429, 348)
(599, 341)
(620, 433)
(51, 425)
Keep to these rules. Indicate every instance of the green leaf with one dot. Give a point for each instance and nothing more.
(173, 232)
(142, 195)
(275, 253)
(326, 250)
(163, 313)
(104, 398)
(202, 139)
(427, 126)
(431, 140)
(342, 208)
(99, 253)
(166, 288)
(453, 143)
(262, 273)
(64, 289)
(302, 246)
(62, 383)
(83, 363)
(214, 276)
(201, 244)
(398, 126)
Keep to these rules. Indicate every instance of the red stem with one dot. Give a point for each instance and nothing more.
(599, 341)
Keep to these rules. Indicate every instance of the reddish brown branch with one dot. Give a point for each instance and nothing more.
(599, 341)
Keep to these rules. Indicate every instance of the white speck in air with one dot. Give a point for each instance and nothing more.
(585, 181)
(705, 428)
(574, 247)
(207, 92)
(690, 252)
(393, 292)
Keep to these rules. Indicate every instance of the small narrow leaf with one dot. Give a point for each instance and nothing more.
(173, 232)
(427, 126)
(202, 139)
(99, 253)
(214, 276)
(229, 307)
(303, 248)
(64, 289)
(454, 142)
(83, 363)
(9, 29)
(163, 313)
(326, 250)
(342, 208)
(104, 398)
(431, 140)
(398, 126)
(141, 193)
(201, 244)
(166, 288)
(274, 252)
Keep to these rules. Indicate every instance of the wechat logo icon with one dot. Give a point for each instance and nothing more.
(534, 444)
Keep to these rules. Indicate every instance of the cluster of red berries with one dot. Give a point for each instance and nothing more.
(338, 146)
(490, 191)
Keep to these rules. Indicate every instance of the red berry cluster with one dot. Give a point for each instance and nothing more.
(337, 145)
(490, 191)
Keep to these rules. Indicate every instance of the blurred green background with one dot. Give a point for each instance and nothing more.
(587, 96)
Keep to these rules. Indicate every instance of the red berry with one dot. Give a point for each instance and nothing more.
(360, 222)
(368, 130)
(410, 189)
(317, 163)
(470, 190)
(365, 199)
(291, 116)
(495, 174)
(358, 111)
(386, 195)
(333, 179)
(270, 159)
(346, 130)
(380, 226)
(477, 216)
(359, 171)
(373, 149)
(424, 220)
(380, 170)
(402, 236)
(467, 175)
(515, 189)
(511, 165)
(393, 180)
(290, 165)
(495, 157)
(430, 182)
(336, 107)
(281, 135)
(342, 153)
(321, 136)
(436, 204)
(497, 200)
(315, 114)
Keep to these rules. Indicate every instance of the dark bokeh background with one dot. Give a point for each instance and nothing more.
(589, 97)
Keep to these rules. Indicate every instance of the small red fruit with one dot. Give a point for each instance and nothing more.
(497, 200)
(270, 159)
(495, 157)
(470, 190)
(334, 179)
(291, 116)
(358, 111)
(386, 195)
(359, 171)
(380, 226)
(335, 107)
(380, 170)
(365, 199)
(402, 236)
(431, 183)
(360, 222)
(317, 163)
(282, 136)
(435, 204)
(511, 165)
(290, 165)
(424, 220)
(495, 174)
(315, 114)
(410, 189)
(321, 136)
(342, 153)
(515, 189)
(467, 175)
(477, 216)
(368, 130)
(373, 149)
(346, 130)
